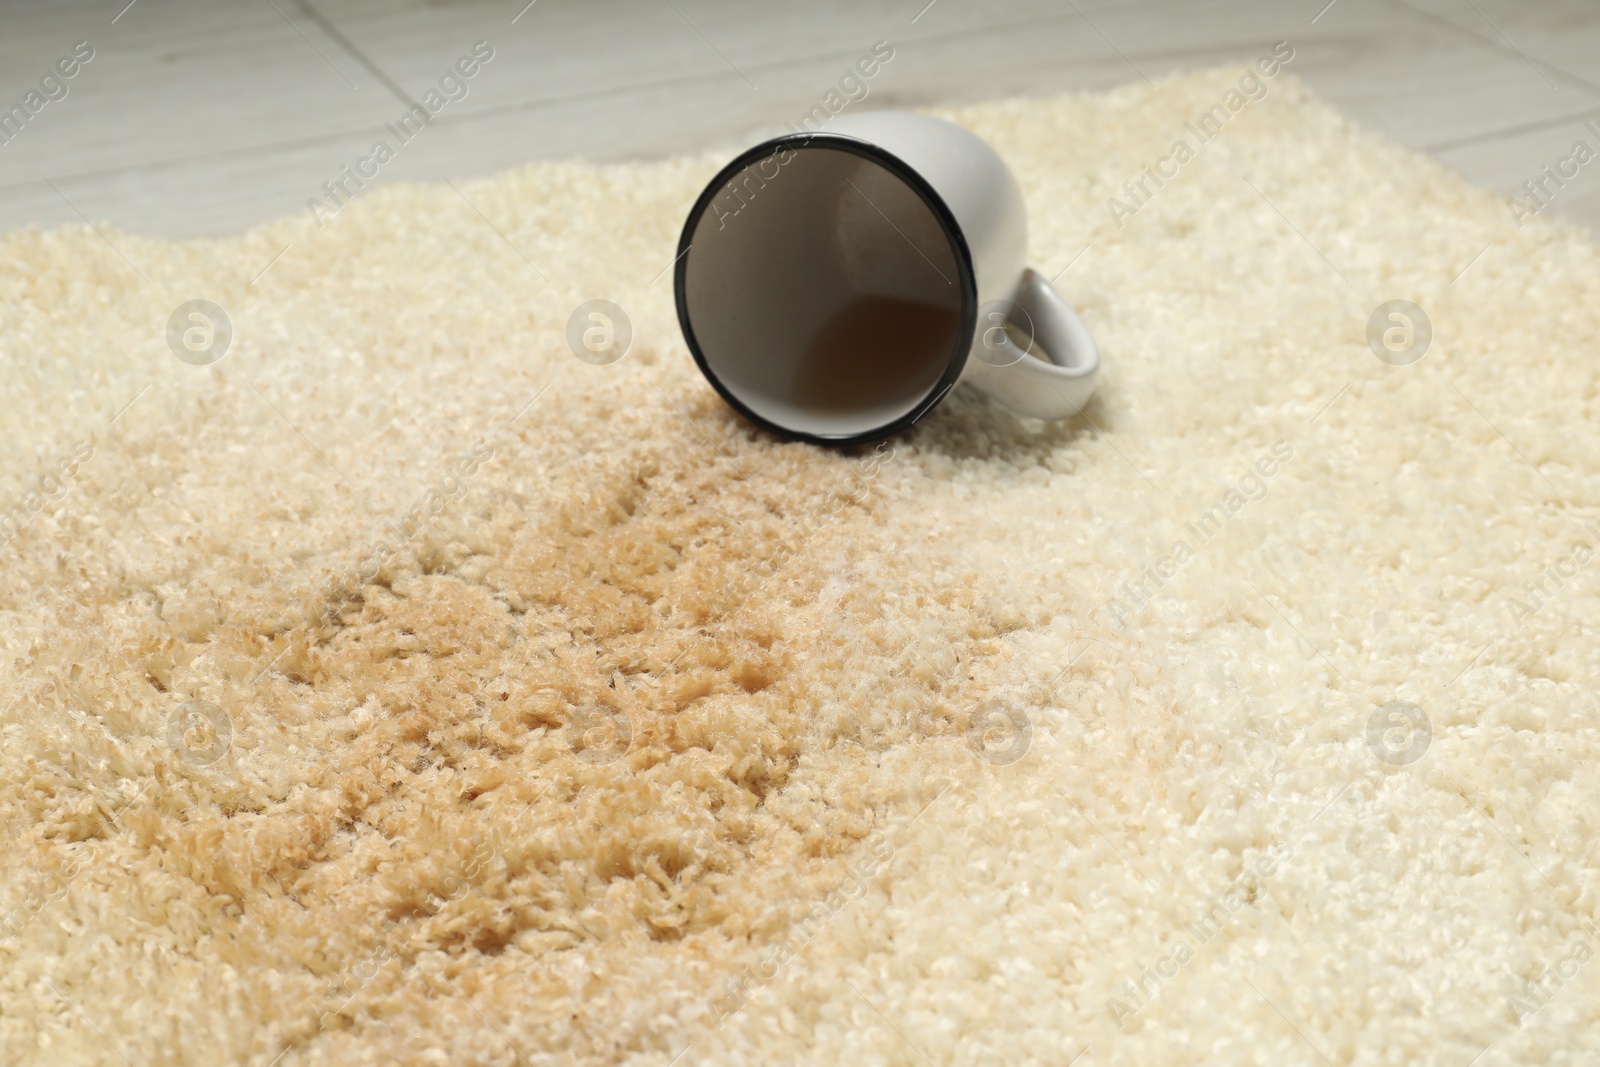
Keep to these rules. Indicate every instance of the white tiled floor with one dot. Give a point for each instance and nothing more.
(199, 118)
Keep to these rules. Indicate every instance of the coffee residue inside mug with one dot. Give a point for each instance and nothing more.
(876, 351)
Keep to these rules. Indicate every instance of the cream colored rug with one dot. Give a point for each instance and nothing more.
(402, 690)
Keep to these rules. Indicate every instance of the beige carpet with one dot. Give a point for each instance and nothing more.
(360, 712)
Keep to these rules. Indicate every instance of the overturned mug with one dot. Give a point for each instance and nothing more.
(835, 286)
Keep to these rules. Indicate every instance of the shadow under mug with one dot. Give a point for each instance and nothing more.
(833, 287)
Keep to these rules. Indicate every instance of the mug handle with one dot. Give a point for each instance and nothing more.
(1027, 384)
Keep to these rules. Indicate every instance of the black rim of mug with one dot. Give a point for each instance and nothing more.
(947, 222)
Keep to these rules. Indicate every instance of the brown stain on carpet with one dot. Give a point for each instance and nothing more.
(577, 742)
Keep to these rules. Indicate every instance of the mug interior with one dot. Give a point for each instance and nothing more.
(822, 293)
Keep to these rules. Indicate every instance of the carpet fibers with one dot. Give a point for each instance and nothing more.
(401, 689)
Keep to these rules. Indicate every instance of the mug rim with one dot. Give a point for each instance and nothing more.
(967, 275)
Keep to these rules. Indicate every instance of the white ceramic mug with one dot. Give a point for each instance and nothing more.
(834, 286)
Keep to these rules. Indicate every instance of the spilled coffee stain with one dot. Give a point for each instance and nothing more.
(562, 758)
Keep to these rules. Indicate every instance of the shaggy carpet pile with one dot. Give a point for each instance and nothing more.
(402, 689)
